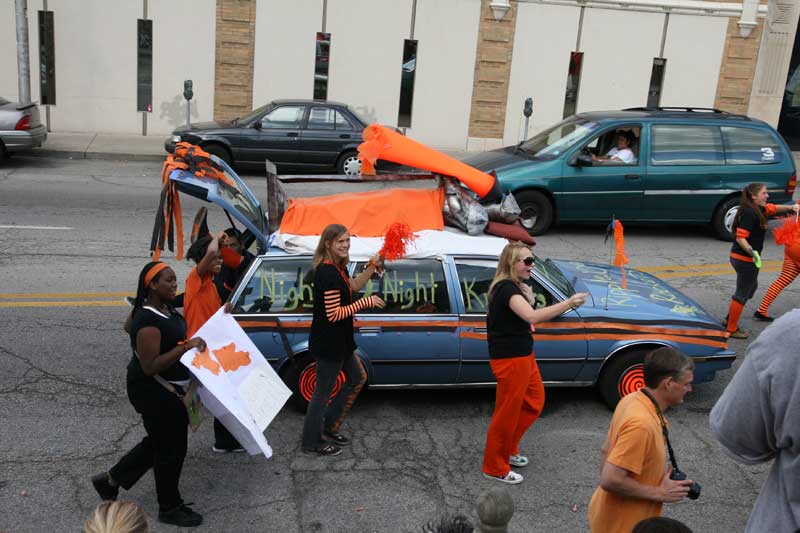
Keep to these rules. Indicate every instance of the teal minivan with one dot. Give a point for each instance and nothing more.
(670, 165)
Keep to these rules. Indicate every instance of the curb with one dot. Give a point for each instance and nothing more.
(105, 156)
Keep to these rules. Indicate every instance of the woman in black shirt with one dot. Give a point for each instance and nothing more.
(520, 391)
(750, 227)
(155, 380)
(331, 342)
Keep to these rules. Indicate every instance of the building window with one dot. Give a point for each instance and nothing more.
(407, 75)
(47, 59)
(321, 65)
(144, 70)
(573, 83)
(656, 82)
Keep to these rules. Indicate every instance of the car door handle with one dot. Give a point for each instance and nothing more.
(344, 136)
(369, 330)
(632, 176)
(291, 134)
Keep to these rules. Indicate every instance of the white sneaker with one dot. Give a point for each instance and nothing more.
(227, 450)
(518, 461)
(511, 477)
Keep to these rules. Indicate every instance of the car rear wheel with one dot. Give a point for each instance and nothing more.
(536, 211)
(219, 151)
(349, 164)
(622, 375)
(301, 378)
(722, 223)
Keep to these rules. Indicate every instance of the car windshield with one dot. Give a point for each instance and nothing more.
(552, 142)
(252, 115)
(549, 270)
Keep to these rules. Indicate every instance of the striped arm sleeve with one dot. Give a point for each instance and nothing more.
(770, 209)
(336, 312)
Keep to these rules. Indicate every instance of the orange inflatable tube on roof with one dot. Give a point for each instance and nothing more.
(382, 143)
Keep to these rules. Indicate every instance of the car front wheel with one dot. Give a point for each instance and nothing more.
(536, 211)
(623, 375)
(722, 223)
(349, 164)
(219, 151)
(301, 378)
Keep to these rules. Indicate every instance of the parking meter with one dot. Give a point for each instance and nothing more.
(188, 93)
(527, 111)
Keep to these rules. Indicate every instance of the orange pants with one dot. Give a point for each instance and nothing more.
(518, 403)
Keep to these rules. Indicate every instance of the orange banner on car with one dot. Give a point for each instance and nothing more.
(382, 143)
(366, 214)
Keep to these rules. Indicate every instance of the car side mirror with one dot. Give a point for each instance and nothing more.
(583, 160)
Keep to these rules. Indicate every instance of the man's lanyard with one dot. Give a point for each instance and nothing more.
(664, 429)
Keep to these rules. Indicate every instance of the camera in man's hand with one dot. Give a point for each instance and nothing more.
(694, 488)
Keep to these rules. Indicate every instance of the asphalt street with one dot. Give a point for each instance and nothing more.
(80, 235)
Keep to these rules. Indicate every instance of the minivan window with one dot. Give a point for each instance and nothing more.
(553, 142)
(678, 144)
(747, 146)
(282, 286)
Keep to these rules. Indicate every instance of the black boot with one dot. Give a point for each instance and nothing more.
(104, 488)
(180, 515)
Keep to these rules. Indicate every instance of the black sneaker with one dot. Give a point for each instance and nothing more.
(763, 318)
(181, 516)
(104, 488)
(338, 439)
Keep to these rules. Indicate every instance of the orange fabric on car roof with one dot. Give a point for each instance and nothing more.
(366, 214)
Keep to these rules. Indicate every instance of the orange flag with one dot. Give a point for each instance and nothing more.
(621, 258)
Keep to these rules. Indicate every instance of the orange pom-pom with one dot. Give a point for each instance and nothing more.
(397, 237)
(788, 233)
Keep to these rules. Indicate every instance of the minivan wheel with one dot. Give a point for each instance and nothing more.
(722, 223)
(536, 211)
(301, 378)
(349, 164)
(622, 376)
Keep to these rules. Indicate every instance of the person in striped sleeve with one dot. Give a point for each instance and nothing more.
(331, 342)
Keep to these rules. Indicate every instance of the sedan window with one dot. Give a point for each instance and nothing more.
(278, 286)
(475, 278)
(284, 117)
(411, 286)
(326, 118)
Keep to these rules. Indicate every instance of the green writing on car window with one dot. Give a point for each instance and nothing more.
(408, 293)
(472, 300)
(294, 293)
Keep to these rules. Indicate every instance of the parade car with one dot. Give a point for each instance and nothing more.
(432, 332)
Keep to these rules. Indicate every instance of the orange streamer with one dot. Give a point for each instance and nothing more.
(621, 258)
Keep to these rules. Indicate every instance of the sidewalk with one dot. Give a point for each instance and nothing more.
(102, 146)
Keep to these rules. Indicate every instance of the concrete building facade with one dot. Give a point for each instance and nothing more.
(119, 66)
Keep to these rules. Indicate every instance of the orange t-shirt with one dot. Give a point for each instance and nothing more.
(635, 443)
(200, 301)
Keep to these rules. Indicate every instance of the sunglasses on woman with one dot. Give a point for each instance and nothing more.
(528, 261)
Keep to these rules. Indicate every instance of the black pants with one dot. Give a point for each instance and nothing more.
(223, 439)
(163, 449)
(746, 280)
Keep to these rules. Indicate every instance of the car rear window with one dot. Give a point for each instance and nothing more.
(748, 146)
(678, 144)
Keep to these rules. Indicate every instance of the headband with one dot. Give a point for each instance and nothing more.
(154, 272)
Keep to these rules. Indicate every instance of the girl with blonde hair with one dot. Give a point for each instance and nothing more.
(520, 392)
(117, 517)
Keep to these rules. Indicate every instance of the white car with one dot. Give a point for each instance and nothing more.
(20, 127)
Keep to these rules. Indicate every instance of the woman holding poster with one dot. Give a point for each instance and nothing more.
(331, 342)
(156, 381)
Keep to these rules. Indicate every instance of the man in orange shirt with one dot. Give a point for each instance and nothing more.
(634, 477)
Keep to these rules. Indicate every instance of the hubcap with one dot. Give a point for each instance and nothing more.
(352, 166)
(631, 380)
(729, 216)
(308, 381)
(528, 217)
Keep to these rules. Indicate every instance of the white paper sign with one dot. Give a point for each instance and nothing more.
(239, 387)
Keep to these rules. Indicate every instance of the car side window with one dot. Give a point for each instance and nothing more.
(678, 144)
(474, 280)
(748, 146)
(282, 286)
(618, 146)
(284, 117)
(409, 286)
(327, 118)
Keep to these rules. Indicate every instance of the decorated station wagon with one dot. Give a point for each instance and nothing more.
(432, 332)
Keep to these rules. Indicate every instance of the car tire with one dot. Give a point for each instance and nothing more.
(3, 153)
(622, 375)
(219, 151)
(301, 378)
(349, 164)
(536, 211)
(722, 222)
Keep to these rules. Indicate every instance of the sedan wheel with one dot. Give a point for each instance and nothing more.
(350, 164)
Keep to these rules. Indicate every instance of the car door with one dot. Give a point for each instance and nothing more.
(273, 304)
(276, 136)
(414, 339)
(602, 190)
(326, 133)
(684, 177)
(559, 344)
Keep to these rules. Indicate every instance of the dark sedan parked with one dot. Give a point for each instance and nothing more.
(298, 134)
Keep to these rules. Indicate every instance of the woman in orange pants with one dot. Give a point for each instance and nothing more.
(789, 271)
(520, 391)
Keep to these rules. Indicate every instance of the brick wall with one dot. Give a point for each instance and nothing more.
(235, 51)
(738, 68)
(492, 71)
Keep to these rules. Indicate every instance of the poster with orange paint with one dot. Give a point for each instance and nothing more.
(239, 387)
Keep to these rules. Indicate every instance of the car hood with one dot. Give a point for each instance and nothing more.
(502, 160)
(202, 126)
(645, 296)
